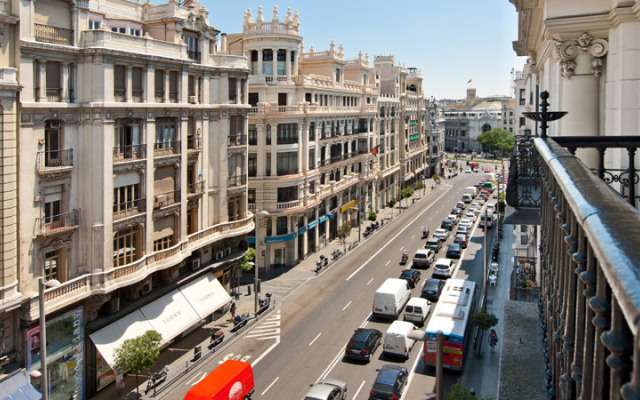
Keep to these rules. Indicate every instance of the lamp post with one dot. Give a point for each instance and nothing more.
(42, 285)
(256, 266)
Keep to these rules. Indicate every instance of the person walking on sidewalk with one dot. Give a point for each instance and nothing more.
(232, 310)
(493, 339)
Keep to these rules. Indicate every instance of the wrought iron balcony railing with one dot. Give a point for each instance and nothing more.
(58, 224)
(166, 199)
(52, 34)
(238, 180)
(129, 153)
(54, 159)
(194, 143)
(167, 148)
(129, 208)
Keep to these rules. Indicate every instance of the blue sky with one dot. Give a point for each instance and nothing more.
(450, 41)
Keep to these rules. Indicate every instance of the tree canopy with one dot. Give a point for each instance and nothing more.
(139, 353)
(497, 141)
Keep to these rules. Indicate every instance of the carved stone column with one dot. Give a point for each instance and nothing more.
(581, 62)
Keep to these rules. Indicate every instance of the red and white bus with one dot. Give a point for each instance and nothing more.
(452, 316)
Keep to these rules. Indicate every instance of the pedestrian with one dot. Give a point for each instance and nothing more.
(232, 310)
(119, 383)
(493, 339)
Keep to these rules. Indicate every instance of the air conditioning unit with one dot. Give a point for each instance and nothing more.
(219, 255)
(194, 264)
(192, 99)
(227, 251)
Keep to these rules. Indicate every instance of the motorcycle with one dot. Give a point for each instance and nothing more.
(239, 321)
(425, 232)
(263, 304)
(337, 253)
(322, 262)
(216, 338)
(157, 378)
(404, 258)
(367, 231)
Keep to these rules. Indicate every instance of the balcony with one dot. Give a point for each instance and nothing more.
(195, 189)
(133, 152)
(237, 180)
(238, 140)
(54, 163)
(284, 205)
(58, 224)
(194, 55)
(129, 208)
(53, 35)
(169, 148)
(287, 139)
(283, 172)
(194, 146)
(166, 199)
(53, 95)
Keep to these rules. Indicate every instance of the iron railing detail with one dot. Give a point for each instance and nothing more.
(524, 175)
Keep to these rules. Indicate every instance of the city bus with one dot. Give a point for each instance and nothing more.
(452, 316)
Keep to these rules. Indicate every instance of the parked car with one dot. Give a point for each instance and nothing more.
(457, 211)
(454, 217)
(454, 251)
(327, 389)
(443, 267)
(423, 258)
(431, 289)
(461, 205)
(411, 276)
(468, 170)
(461, 240)
(363, 344)
(463, 230)
(434, 244)
(389, 383)
(441, 234)
(447, 224)
(471, 216)
(466, 222)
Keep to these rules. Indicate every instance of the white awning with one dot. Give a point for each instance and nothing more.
(109, 338)
(17, 387)
(170, 315)
(205, 295)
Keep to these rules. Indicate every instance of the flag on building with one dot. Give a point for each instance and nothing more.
(374, 151)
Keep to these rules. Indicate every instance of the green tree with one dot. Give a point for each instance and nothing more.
(344, 231)
(248, 258)
(372, 216)
(138, 354)
(483, 320)
(419, 185)
(406, 193)
(497, 140)
(459, 392)
(392, 203)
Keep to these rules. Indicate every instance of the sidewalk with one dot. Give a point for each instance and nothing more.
(279, 281)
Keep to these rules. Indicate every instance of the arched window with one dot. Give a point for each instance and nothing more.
(485, 128)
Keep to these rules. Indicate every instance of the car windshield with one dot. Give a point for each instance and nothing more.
(433, 241)
(381, 388)
(431, 285)
(406, 274)
(358, 339)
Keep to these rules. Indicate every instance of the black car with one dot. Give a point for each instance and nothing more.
(363, 344)
(447, 224)
(389, 383)
(431, 289)
(454, 251)
(434, 244)
(411, 276)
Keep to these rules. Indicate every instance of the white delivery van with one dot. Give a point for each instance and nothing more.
(489, 217)
(472, 190)
(390, 298)
(397, 341)
(467, 198)
(417, 310)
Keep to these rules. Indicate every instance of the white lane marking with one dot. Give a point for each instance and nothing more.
(269, 387)
(393, 238)
(345, 307)
(358, 391)
(339, 355)
(315, 338)
(370, 280)
(388, 261)
(273, 346)
(413, 237)
(198, 380)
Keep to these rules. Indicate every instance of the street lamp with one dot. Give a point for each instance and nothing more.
(257, 257)
(42, 285)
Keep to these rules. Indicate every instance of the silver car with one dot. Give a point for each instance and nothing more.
(327, 389)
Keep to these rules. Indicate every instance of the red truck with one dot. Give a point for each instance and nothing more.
(475, 166)
(233, 380)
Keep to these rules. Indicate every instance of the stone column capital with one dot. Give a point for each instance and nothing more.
(567, 51)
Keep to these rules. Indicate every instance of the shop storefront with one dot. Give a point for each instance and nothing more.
(64, 349)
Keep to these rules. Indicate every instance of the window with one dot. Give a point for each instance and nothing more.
(287, 194)
(523, 94)
(173, 86)
(126, 200)
(54, 155)
(119, 30)
(253, 99)
(281, 226)
(282, 99)
(287, 163)
(521, 121)
(312, 158)
(254, 62)
(253, 164)
(53, 207)
(136, 84)
(267, 62)
(234, 205)
(287, 133)
(282, 57)
(159, 85)
(165, 134)
(191, 40)
(119, 82)
(94, 24)
(127, 139)
(251, 196)
(134, 32)
(268, 165)
(233, 91)
(338, 74)
(162, 243)
(253, 134)
(125, 245)
(312, 131)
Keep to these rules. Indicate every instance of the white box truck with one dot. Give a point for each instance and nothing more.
(397, 341)
(471, 190)
(390, 298)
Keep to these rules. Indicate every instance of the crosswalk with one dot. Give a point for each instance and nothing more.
(268, 329)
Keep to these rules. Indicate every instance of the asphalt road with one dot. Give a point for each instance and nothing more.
(304, 340)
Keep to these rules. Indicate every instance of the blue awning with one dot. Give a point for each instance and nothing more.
(18, 387)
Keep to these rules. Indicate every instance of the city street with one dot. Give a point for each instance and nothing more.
(303, 339)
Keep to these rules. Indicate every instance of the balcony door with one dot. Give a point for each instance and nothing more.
(127, 139)
(53, 144)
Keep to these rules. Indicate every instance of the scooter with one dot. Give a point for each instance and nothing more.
(322, 262)
(216, 338)
(239, 321)
(157, 378)
(263, 304)
(404, 258)
(337, 253)
(425, 232)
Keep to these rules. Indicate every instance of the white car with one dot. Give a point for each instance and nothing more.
(466, 222)
(468, 170)
(443, 267)
(491, 206)
(471, 216)
(441, 234)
